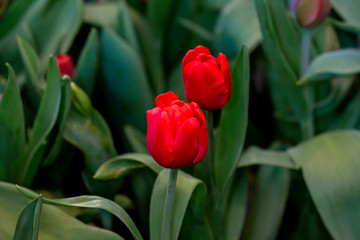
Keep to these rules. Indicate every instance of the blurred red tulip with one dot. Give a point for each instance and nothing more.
(311, 13)
(66, 65)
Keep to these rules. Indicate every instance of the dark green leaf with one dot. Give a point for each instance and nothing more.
(54, 224)
(86, 67)
(159, 12)
(237, 25)
(330, 165)
(136, 138)
(44, 122)
(233, 122)
(268, 204)
(12, 129)
(257, 156)
(127, 90)
(185, 187)
(332, 64)
(65, 103)
(121, 165)
(28, 223)
(90, 202)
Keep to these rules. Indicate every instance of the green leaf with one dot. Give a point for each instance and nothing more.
(348, 10)
(186, 185)
(136, 138)
(57, 135)
(332, 64)
(86, 67)
(101, 14)
(54, 224)
(159, 11)
(12, 129)
(345, 26)
(330, 164)
(258, 156)
(127, 90)
(44, 122)
(31, 62)
(125, 27)
(90, 202)
(197, 29)
(268, 204)
(121, 165)
(87, 130)
(236, 207)
(237, 25)
(29, 220)
(233, 122)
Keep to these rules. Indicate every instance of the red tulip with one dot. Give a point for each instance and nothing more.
(207, 79)
(176, 133)
(311, 13)
(66, 65)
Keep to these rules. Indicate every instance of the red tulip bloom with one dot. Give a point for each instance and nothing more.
(311, 13)
(207, 79)
(176, 133)
(66, 65)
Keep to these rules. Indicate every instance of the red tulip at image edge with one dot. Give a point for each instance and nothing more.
(207, 79)
(176, 132)
(66, 65)
(311, 13)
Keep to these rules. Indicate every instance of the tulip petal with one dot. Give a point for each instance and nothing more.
(186, 143)
(225, 70)
(160, 136)
(203, 140)
(204, 85)
(192, 54)
(165, 99)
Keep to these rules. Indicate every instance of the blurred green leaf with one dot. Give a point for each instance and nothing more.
(237, 25)
(44, 122)
(257, 156)
(54, 224)
(332, 64)
(197, 29)
(87, 130)
(127, 90)
(233, 122)
(31, 62)
(158, 12)
(345, 26)
(86, 67)
(12, 129)
(136, 138)
(186, 185)
(348, 10)
(268, 204)
(56, 136)
(330, 164)
(237, 205)
(121, 165)
(28, 223)
(101, 14)
(125, 26)
(90, 202)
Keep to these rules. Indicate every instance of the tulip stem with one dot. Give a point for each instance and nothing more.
(168, 206)
(211, 146)
(307, 123)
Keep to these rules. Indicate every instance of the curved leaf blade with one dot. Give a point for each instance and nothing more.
(231, 136)
(121, 165)
(185, 187)
(330, 165)
(12, 129)
(29, 220)
(332, 64)
(44, 122)
(90, 202)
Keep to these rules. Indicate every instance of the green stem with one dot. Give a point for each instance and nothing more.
(307, 123)
(168, 206)
(211, 145)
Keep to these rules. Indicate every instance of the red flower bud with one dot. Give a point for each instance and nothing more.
(207, 79)
(176, 133)
(66, 65)
(311, 13)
